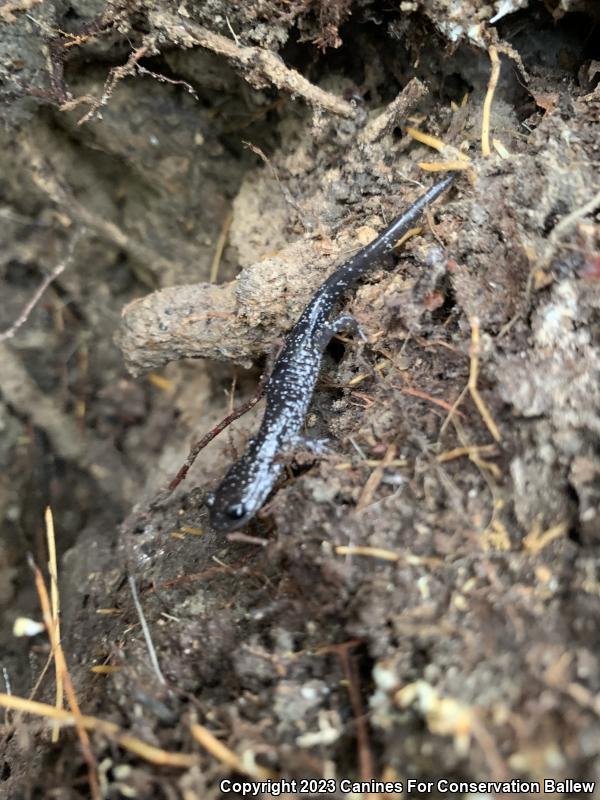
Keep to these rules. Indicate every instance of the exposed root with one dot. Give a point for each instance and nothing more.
(348, 663)
(45, 179)
(260, 67)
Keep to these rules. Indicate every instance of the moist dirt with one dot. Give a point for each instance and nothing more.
(423, 601)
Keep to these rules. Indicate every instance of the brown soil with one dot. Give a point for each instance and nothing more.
(197, 196)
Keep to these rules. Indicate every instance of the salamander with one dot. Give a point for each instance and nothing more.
(291, 384)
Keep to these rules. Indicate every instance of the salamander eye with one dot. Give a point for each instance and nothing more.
(236, 510)
(210, 500)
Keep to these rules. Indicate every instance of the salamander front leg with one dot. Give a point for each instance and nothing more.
(345, 323)
(304, 449)
(316, 447)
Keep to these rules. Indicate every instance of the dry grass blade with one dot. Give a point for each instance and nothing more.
(387, 555)
(146, 631)
(443, 166)
(226, 756)
(374, 479)
(61, 667)
(154, 755)
(55, 606)
(370, 552)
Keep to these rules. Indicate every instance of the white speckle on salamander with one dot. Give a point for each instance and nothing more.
(290, 388)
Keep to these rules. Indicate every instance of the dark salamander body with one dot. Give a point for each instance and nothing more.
(291, 384)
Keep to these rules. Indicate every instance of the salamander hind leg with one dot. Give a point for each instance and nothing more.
(345, 323)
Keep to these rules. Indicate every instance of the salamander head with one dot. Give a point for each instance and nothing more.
(241, 494)
(226, 513)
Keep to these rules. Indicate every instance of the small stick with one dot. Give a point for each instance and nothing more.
(566, 223)
(473, 375)
(50, 278)
(146, 631)
(487, 103)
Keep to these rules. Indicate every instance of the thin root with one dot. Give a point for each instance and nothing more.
(487, 103)
(473, 375)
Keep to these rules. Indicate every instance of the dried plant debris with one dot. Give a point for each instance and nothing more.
(422, 601)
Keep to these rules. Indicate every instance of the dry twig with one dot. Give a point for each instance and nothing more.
(52, 276)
